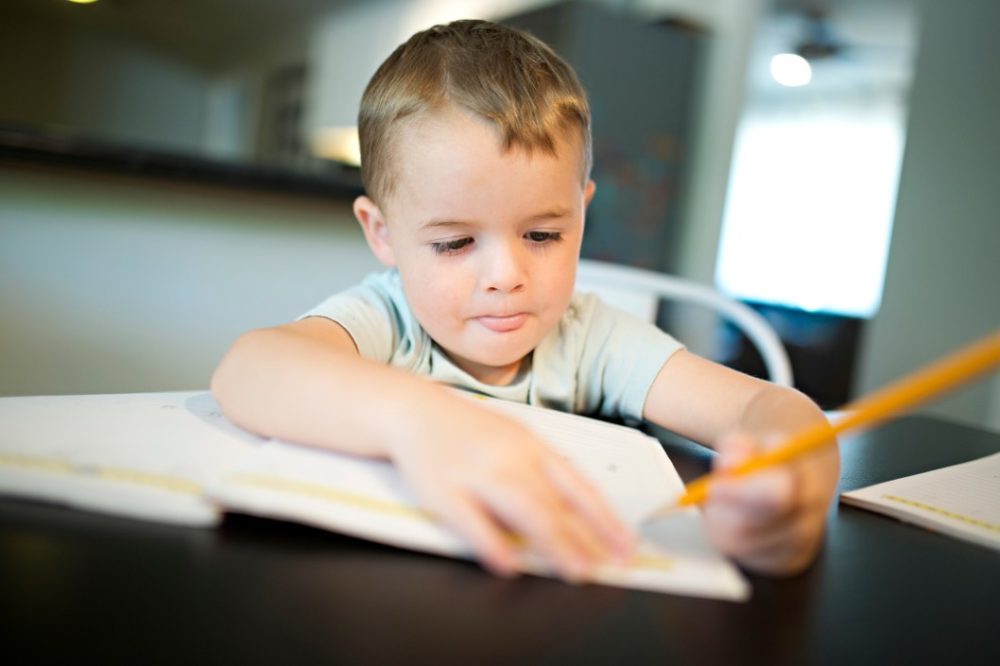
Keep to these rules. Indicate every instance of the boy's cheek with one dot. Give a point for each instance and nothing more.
(428, 287)
(438, 306)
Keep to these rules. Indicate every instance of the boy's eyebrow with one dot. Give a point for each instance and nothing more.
(560, 211)
(437, 223)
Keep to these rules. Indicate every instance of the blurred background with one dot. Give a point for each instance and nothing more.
(173, 174)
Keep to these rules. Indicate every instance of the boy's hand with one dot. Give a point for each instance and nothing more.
(489, 477)
(770, 521)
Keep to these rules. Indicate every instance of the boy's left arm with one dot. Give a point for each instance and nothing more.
(771, 521)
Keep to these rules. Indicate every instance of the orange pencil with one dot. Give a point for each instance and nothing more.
(927, 382)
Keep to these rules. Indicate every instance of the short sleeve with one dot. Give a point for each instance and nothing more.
(367, 312)
(622, 355)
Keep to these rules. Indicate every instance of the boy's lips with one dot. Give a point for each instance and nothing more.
(504, 323)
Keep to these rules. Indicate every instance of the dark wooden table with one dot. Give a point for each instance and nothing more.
(81, 587)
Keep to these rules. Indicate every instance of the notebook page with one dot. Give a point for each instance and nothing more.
(632, 474)
(961, 500)
(144, 455)
(368, 499)
(173, 457)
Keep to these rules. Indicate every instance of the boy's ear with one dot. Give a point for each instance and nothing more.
(588, 192)
(376, 230)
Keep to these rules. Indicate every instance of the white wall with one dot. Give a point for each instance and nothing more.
(943, 274)
(115, 283)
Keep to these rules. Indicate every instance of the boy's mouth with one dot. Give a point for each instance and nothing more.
(503, 324)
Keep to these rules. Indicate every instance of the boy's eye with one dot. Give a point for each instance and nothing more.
(543, 236)
(450, 246)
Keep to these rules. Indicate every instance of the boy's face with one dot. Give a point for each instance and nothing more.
(486, 240)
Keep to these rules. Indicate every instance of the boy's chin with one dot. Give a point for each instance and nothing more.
(490, 367)
(490, 362)
(502, 357)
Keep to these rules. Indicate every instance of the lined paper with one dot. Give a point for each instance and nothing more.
(145, 455)
(367, 498)
(173, 457)
(962, 500)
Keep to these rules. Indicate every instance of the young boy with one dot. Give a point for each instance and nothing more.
(475, 142)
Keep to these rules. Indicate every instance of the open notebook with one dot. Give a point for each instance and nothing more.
(173, 457)
(962, 500)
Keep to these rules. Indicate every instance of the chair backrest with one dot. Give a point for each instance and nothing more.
(639, 291)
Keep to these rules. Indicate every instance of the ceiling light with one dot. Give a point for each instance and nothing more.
(791, 70)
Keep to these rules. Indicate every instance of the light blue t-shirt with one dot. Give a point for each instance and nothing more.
(598, 360)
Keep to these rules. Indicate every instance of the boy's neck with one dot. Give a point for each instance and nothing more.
(490, 374)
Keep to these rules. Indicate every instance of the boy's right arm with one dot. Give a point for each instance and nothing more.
(482, 473)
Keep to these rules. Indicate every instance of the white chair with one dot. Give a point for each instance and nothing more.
(639, 291)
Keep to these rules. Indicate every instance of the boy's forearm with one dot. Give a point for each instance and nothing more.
(280, 384)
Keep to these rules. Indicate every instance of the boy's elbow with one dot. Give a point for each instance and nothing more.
(217, 383)
(226, 378)
(788, 398)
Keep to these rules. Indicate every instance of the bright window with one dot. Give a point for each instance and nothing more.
(809, 211)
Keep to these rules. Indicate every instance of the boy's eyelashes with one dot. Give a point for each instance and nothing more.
(543, 236)
(455, 245)
(451, 246)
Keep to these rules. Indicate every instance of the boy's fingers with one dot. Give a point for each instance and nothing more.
(491, 545)
(818, 476)
(804, 485)
(785, 549)
(771, 493)
(585, 538)
(770, 520)
(541, 523)
(729, 531)
(585, 499)
(725, 528)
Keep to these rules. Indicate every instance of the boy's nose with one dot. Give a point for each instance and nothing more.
(506, 272)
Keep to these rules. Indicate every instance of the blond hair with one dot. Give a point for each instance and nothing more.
(503, 75)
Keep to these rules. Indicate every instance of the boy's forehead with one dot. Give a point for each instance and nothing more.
(429, 129)
(455, 136)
